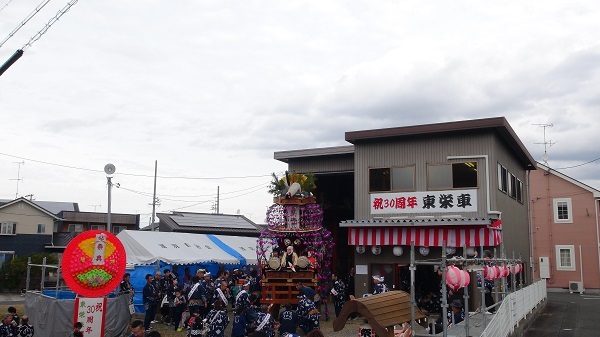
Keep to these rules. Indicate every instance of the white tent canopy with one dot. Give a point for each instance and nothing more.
(147, 247)
(245, 246)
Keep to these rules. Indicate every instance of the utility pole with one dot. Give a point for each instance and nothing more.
(154, 194)
(218, 187)
(109, 169)
(18, 176)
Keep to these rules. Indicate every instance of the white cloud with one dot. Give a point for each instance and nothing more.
(213, 88)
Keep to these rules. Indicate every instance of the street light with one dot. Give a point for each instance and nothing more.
(109, 169)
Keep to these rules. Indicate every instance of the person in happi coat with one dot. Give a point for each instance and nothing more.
(179, 303)
(288, 320)
(380, 287)
(454, 316)
(6, 328)
(197, 301)
(150, 299)
(217, 320)
(24, 329)
(239, 326)
(308, 314)
(242, 301)
(338, 293)
(309, 292)
(264, 321)
(172, 289)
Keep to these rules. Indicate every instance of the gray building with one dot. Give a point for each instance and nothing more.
(462, 183)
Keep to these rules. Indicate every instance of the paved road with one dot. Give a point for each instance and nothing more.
(568, 315)
(9, 299)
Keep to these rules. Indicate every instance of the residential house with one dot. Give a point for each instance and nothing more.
(27, 226)
(566, 244)
(73, 223)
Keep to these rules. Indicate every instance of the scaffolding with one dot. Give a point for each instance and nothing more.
(471, 264)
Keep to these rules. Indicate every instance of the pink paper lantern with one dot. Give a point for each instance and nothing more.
(489, 272)
(466, 279)
(505, 271)
(456, 278)
(498, 271)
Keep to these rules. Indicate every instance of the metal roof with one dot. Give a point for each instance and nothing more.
(32, 204)
(208, 223)
(285, 156)
(53, 207)
(498, 124)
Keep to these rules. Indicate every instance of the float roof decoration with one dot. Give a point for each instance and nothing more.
(280, 187)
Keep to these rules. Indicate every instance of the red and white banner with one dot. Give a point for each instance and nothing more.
(428, 236)
(453, 201)
(91, 313)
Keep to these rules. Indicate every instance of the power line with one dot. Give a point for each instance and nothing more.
(196, 196)
(589, 162)
(52, 21)
(29, 17)
(6, 5)
(134, 174)
(253, 189)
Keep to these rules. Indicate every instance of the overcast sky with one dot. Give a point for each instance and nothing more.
(211, 89)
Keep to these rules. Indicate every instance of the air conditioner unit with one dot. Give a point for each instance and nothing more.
(576, 287)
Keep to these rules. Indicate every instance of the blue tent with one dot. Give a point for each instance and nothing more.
(149, 251)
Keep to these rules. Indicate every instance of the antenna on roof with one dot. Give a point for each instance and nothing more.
(18, 176)
(95, 206)
(547, 144)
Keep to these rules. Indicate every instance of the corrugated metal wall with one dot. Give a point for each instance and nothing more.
(329, 164)
(419, 152)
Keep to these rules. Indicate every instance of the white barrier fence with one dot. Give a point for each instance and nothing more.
(514, 308)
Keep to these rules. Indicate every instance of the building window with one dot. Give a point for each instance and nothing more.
(118, 229)
(8, 228)
(75, 228)
(392, 179)
(455, 175)
(502, 179)
(403, 178)
(6, 256)
(563, 210)
(565, 257)
(512, 186)
(519, 191)
(98, 227)
(379, 180)
(41, 228)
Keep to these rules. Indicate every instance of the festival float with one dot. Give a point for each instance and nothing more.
(294, 220)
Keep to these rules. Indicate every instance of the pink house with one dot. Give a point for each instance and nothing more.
(566, 241)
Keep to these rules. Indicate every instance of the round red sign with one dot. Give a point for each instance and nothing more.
(93, 263)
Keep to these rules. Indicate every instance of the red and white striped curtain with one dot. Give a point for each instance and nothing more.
(428, 236)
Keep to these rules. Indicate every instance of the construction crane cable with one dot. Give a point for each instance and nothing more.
(29, 17)
(49, 24)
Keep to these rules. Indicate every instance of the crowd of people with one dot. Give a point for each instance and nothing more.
(198, 303)
(13, 326)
